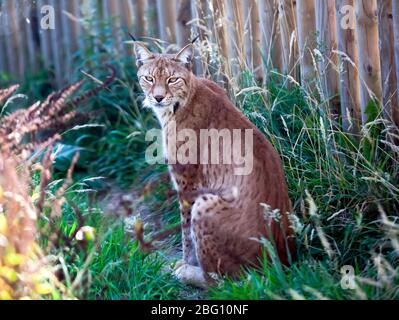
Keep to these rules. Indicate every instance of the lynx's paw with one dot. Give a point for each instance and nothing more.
(189, 274)
(179, 263)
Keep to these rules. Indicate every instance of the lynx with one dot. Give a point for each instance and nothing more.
(222, 212)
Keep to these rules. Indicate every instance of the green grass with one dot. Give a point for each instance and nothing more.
(121, 271)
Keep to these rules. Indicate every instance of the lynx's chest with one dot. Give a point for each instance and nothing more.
(176, 149)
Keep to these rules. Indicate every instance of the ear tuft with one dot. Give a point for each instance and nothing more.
(142, 54)
(186, 55)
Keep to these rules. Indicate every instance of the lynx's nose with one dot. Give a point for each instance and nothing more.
(159, 98)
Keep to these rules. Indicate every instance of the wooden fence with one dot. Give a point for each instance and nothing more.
(346, 51)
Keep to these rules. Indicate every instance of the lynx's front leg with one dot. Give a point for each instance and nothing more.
(183, 178)
(187, 269)
(189, 256)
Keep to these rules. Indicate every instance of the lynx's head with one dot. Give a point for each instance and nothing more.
(164, 78)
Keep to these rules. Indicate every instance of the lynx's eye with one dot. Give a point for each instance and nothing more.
(149, 79)
(173, 79)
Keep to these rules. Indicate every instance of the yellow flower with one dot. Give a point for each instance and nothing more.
(36, 194)
(8, 273)
(86, 232)
(13, 259)
(43, 288)
(3, 224)
(5, 295)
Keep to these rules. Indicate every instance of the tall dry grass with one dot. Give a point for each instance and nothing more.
(28, 269)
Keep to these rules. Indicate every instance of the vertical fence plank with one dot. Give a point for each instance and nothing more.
(3, 30)
(306, 39)
(127, 15)
(327, 44)
(215, 55)
(198, 10)
(289, 43)
(17, 37)
(29, 13)
(91, 14)
(219, 31)
(127, 18)
(8, 41)
(114, 18)
(196, 25)
(11, 38)
(235, 30)
(21, 37)
(88, 29)
(66, 39)
(56, 44)
(3, 61)
(206, 10)
(349, 77)
(152, 18)
(75, 25)
(105, 14)
(183, 17)
(271, 41)
(167, 20)
(387, 57)
(139, 17)
(369, 59)
(44, 35)
(219, 12)
(395, 14)
(253, 38)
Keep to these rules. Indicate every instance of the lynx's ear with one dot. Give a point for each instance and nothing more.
(186, 55)
(142, 54)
